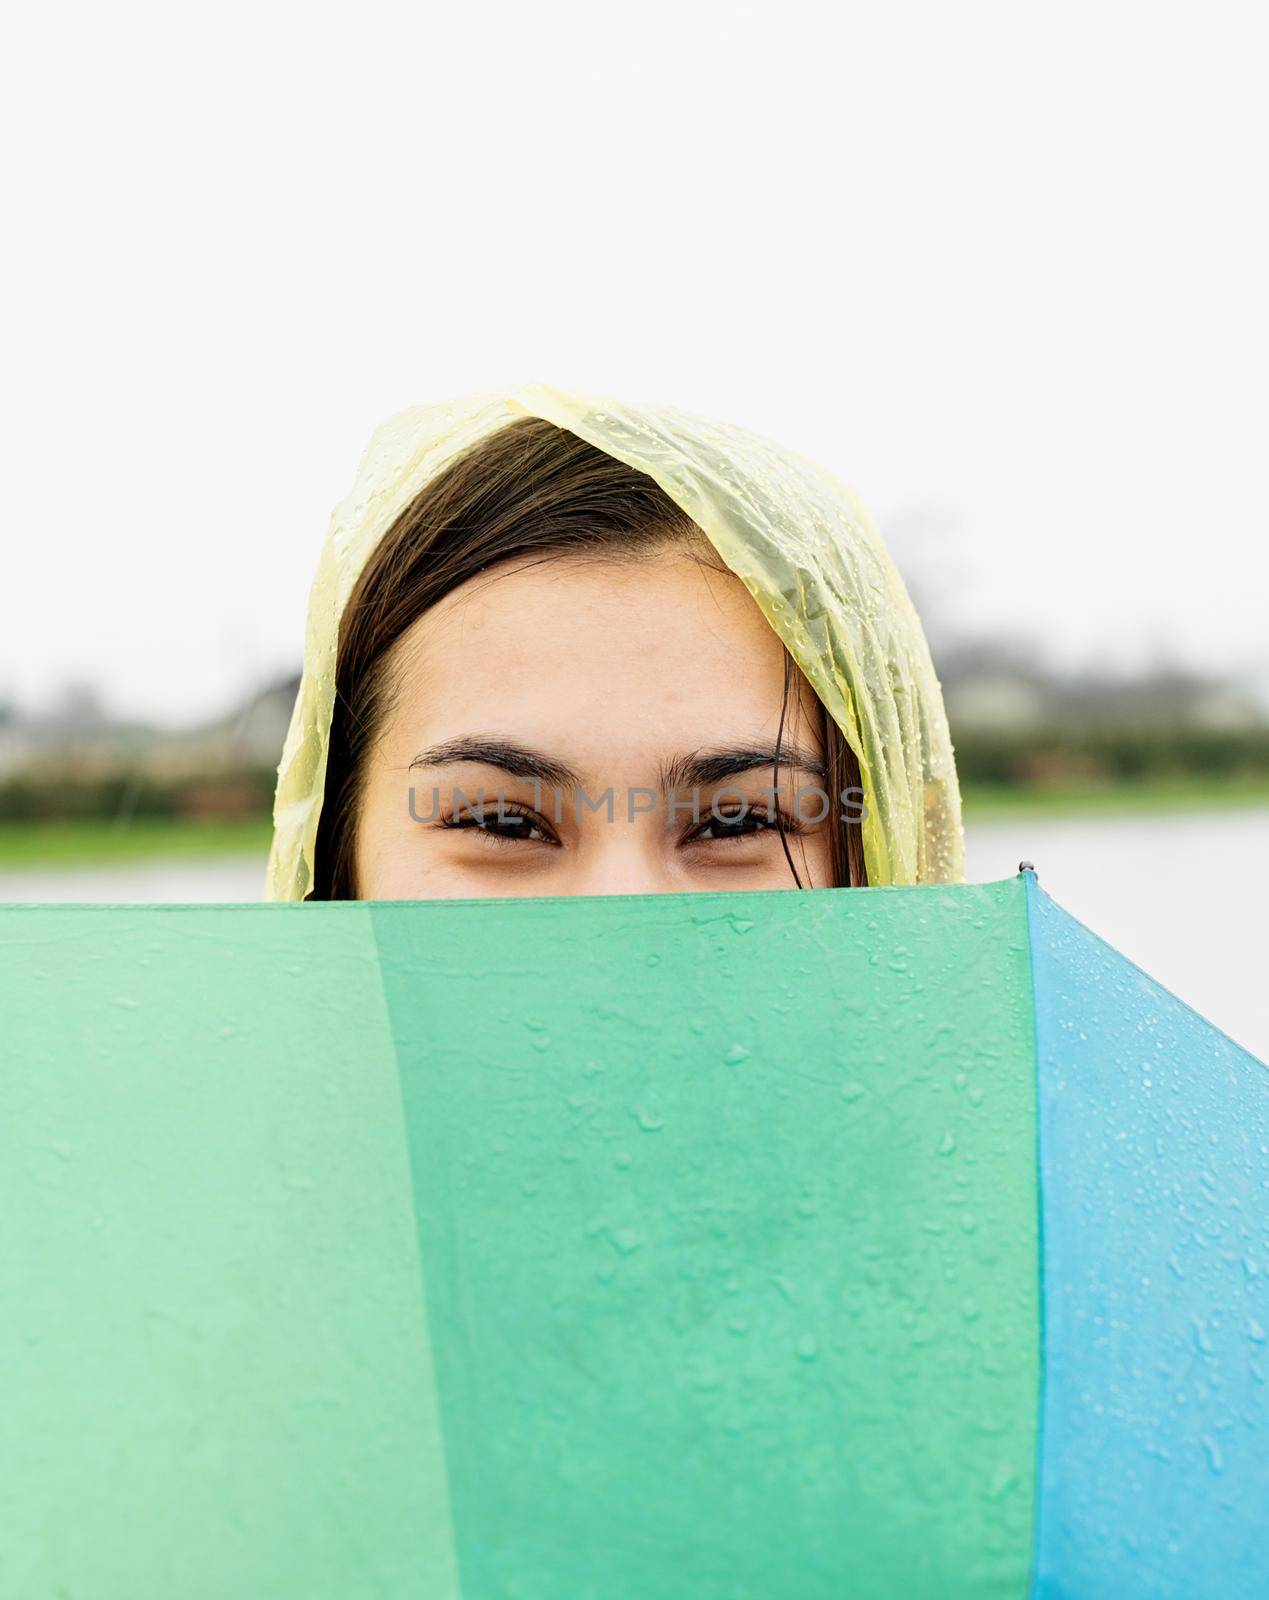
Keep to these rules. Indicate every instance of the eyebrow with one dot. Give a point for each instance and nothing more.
(706, 767)
(515, 759)
(700, 769)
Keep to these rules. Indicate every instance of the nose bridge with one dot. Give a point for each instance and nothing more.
(626, 851)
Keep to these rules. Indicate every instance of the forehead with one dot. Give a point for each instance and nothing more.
(549, 641)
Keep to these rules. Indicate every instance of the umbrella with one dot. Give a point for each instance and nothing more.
(883, 1242)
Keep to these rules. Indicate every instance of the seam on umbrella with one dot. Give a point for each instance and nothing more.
(455, 1591)
(1030, 890)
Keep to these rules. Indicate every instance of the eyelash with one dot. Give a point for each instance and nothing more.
(756, 815)
(752, 814)
(478, 824)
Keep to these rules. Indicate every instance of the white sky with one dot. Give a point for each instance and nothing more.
(1003, 267)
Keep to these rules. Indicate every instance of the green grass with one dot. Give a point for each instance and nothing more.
(986, 802)
(103, 842)
(81, 843)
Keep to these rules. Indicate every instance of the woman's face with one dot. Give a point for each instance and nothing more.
(563, 726)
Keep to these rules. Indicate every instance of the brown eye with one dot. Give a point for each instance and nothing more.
(735, 824)
(506, 824)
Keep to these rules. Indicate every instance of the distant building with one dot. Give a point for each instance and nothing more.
(78, 734)
(998, 687)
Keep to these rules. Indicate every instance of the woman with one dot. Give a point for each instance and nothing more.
(558, 645)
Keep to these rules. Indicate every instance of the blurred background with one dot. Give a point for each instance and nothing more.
(1001, 268)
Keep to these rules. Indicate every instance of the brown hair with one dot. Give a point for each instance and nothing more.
(527, 488)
